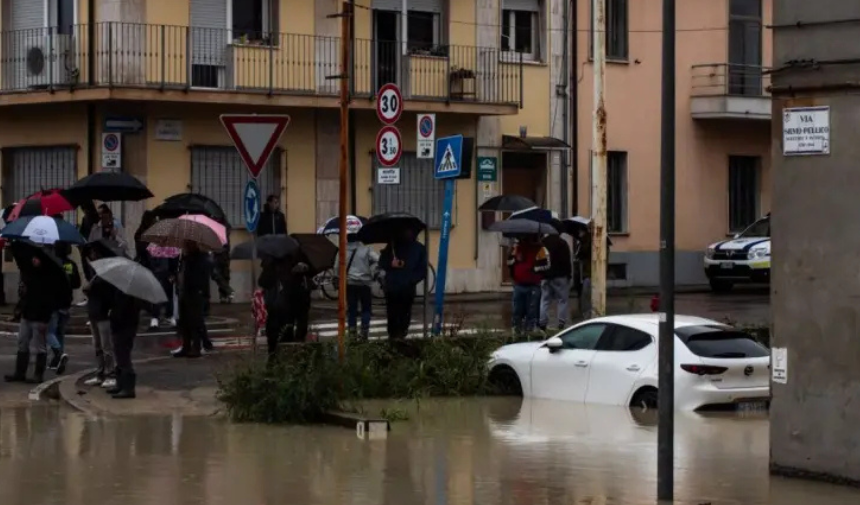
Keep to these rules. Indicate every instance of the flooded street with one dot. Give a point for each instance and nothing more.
(470, 451)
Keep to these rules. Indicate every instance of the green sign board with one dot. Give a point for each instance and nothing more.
(488, 169)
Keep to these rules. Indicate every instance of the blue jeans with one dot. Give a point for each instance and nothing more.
(526, 307)
(355, 296)
(57, 330)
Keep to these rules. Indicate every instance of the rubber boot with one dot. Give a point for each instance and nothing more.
(120, 376)
(127, 382)
(41, 366)
(22, 362)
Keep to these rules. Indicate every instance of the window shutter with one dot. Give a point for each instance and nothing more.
(521, 5)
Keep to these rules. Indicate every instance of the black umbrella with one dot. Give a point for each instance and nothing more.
(573, 225)
(523, 227)
(191, 203)
(317, 249)
(271, 246)
(506, 203)
(107, 187)
(386, 228)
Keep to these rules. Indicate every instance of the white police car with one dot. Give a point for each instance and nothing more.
(743, 259)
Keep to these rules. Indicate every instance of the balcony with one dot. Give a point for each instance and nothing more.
(729, 91)
(179, 63)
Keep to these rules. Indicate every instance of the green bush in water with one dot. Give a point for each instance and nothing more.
(307, 381)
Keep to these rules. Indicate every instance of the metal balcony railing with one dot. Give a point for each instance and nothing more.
(729, 79)
(180, 57)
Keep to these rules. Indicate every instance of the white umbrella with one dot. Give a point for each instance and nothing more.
(131, 278)
(42, 230)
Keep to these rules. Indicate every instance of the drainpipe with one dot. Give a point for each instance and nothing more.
(91, 42)
(573, 101)
(565, 131)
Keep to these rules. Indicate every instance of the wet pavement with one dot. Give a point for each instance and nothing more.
(472, 451)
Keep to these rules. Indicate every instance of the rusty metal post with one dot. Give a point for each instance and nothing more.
(598, 164)
(345, 59)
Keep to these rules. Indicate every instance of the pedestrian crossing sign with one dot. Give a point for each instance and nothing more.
(449, 155)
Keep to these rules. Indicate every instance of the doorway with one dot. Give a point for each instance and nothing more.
(523, 174)
(386, 31)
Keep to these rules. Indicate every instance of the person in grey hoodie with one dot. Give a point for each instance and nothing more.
(361, 262)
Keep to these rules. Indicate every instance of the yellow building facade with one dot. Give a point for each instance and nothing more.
(162, 71)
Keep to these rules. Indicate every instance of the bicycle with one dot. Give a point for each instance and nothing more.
(329, 288)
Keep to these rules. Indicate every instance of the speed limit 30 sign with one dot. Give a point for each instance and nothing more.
(388, 146)
(389, 104)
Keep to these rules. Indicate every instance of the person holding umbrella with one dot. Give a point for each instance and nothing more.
(360, 269)
(99, 302)
(44, 278)
(527, 261)
(194, 274)
(130, 285)
(404, 262)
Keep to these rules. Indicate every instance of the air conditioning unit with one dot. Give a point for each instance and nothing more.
(51, 61)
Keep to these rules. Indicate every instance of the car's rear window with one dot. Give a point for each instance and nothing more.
(712, 342)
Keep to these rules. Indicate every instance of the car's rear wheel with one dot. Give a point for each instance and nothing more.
(505, 381)
(721, 285)
(645, 398)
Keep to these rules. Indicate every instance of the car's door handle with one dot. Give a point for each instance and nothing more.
(633, 368)
(581, 364)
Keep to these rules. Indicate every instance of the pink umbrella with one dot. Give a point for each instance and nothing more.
(210, 223)
(157, 251)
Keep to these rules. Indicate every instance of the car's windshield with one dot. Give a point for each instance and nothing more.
(760, 228)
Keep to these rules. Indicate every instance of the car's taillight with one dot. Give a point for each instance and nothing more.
(704, 369)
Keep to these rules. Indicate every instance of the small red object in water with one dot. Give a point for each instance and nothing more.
(655, 303)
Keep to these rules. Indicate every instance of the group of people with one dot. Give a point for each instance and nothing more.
(287, 283)
(542, 273)
(45, 301)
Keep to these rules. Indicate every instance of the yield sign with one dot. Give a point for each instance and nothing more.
(255, 137)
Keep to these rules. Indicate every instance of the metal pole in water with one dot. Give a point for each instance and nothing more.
(666, 370)
(598, 164)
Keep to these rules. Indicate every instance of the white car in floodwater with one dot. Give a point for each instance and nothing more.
(613, 360)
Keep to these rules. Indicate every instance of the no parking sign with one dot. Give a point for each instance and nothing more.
(111, 151)
(426, 136)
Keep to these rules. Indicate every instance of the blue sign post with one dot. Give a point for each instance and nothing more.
(448, 166)
(251, 207)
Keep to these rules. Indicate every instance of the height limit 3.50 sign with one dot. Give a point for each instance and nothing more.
(388, 146)
(389, 104)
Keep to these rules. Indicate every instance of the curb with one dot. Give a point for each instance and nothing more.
(68, 391)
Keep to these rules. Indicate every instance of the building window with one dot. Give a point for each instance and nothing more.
(418, 192)
(520, 33)
(423, 29)
(745, 48)
(28, 170)
(617, 30)
(254, 21)
(743, 191)
(616, 192)
(218, 172)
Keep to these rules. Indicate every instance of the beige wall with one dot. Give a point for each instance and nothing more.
(633, 112)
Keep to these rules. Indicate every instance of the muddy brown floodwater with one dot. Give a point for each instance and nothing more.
(452, 452)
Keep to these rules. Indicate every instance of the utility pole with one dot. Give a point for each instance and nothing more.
(666, 359)
(598, 163)
(345, 59)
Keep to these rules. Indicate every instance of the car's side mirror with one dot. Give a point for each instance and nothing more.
(554, 344)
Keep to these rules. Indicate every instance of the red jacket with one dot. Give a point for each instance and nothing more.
(527, 263)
